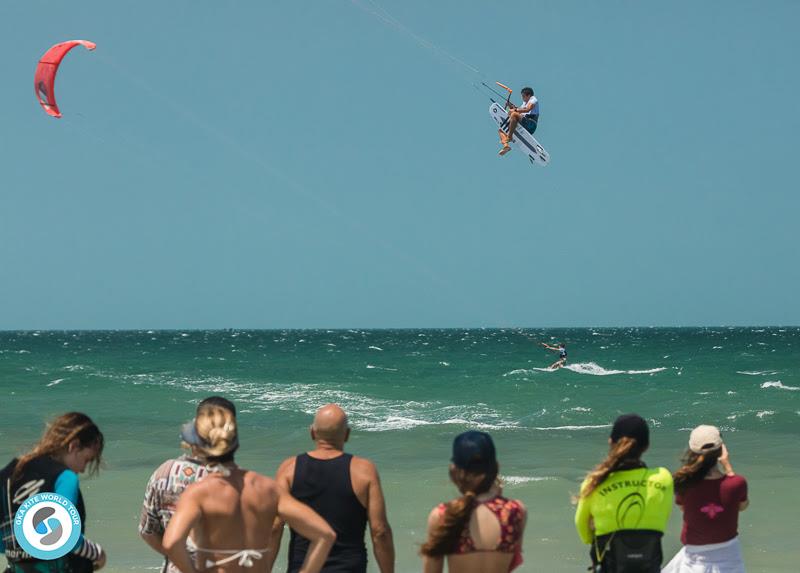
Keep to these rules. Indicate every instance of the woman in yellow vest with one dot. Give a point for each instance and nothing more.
(624, 506)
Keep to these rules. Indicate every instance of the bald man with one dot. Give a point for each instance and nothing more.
(345, 490)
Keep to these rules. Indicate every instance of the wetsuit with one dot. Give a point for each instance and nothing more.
(562, 353)
(326, 487)
(42, 474)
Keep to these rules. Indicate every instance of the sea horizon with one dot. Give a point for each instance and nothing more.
(408, 392)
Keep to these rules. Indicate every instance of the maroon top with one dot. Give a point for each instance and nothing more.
(711, 510)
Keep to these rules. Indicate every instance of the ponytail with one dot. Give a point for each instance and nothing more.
(443, 540)
(695, 468)
(623, 450)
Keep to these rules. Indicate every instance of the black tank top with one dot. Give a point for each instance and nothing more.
(325, 486)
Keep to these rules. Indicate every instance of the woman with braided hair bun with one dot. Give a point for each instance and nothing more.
(481, 531)
(224, 521)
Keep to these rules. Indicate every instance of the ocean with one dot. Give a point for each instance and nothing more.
(408, 393)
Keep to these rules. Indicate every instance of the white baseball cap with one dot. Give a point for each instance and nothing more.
(704, 439)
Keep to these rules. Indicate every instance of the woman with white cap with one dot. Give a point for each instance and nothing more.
(711, 496)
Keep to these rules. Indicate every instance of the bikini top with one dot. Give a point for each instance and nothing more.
(511, 516)
(244, 557)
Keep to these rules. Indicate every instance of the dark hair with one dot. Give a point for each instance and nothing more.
(59, 434)
(695, 468)
(444, 538)
(526, 90)
(217, 401)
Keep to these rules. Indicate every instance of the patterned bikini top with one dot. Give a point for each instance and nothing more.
(511, 516)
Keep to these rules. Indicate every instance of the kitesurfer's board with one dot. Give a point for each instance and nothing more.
(523, 141)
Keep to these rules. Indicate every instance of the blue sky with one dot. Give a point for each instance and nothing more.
(306, 164)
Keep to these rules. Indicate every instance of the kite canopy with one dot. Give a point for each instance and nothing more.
(45, 79)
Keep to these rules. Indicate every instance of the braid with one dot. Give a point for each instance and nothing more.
(443, 540)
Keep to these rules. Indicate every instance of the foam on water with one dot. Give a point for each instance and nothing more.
(518, 480)
(757, 372)
(590, 368)
(778, 384)
(587, 427)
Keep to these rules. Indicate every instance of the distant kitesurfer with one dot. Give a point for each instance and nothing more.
(562, 354)
(526, 115)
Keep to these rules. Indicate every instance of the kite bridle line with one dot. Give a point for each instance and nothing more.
(491, 89)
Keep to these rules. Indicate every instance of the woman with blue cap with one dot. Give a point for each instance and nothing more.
(481, 531)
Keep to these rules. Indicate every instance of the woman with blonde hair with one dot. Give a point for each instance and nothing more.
(167, 484)
(70, 445)
(624, 506)
(711, 499)
(481, 531)
(229, 515)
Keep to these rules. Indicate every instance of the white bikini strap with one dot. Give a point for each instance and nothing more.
(245, 557)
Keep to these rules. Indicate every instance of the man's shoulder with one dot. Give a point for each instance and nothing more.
(287, 466)
(364, 462)
(364, 467)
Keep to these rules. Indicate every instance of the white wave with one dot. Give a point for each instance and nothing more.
(444, 363)
(716, 347)
(54, 382)
(595, 369)
(591, 368)
(649, 371)
(366, 413)
(778, 384)
(395, 423)
(580, 409)
(764, 413)
(590, 427)
(74, 367)
(518, 480)
(519, 371)
(757, 372)
(375, 348)
(373, 367)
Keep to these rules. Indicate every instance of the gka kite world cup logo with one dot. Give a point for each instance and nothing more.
(47, 526)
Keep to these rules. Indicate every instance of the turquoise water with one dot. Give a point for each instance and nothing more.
(408, 393)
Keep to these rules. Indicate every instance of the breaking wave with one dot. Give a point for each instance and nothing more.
(590, 368)
(778, 384)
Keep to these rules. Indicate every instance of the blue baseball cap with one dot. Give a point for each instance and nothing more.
(190, 436)
(474, 451)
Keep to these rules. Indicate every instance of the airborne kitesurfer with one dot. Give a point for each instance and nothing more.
(526, 115)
